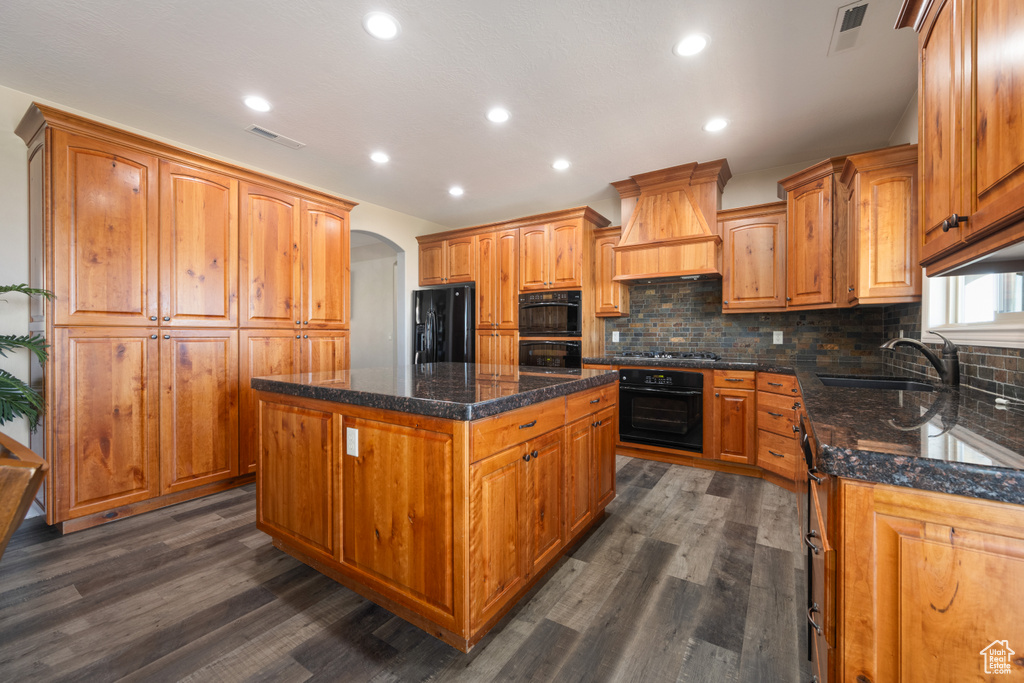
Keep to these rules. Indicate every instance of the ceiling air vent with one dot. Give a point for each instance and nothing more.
(847, 29)
(274, 137)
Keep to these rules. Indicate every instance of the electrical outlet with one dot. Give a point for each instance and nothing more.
(901, 334)
(615, 335)
(777, 337)
(352, 441)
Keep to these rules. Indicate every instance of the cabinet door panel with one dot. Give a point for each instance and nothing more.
(325, 351)
(261, 352)
(735, 425)
(579, 458)
(566, 260)
(398, 510)
(298, 476)
(269, 277)
(546, 499)
(939, 129)
(809, 252)
(325, 266)
(198, 408)
(432, 264)
(105, 233)
(507, 287)
(487, 281)
(497, 554)
(460, 258)
(106, 430)
(888, 238)
(486, 348)
(533, 258)
(506, 351)
(998, 71)
(755, 263)
(199, 247)
(605, 435)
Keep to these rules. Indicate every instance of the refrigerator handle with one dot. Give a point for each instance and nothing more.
(431, 338)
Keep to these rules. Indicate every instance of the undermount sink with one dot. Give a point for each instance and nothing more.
(890, 383)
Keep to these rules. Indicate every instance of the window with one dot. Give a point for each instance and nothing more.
(979, 310)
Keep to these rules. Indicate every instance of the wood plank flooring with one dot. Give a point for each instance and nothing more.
(692, 576)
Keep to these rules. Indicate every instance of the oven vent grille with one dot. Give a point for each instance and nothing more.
(846, 31)
(275, 137)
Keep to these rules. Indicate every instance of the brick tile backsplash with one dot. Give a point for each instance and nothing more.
(687, 316)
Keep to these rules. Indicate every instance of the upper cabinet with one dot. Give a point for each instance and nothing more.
(551, 256)
(883, 236)
(971, 132)
(445, 262)
(611, 298)
(294, 267)
(497, 284)
(754, 272)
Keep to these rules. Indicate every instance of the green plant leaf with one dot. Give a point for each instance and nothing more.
(18, 399)
(35, 343)
(25, 289)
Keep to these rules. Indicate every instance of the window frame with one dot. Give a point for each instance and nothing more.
(1007, 333)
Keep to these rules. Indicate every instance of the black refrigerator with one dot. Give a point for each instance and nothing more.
(444, 325)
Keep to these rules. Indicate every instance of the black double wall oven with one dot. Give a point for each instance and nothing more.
(551, 329)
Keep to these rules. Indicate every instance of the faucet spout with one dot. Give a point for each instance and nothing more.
(948, 366)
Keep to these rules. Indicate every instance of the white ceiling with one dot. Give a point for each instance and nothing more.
(594, 81)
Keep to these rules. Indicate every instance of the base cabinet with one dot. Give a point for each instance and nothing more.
(497, 347)
(927, 585)
(734, 416)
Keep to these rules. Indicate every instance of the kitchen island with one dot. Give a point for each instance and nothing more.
(440, 491)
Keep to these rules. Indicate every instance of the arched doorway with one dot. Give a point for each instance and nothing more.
(378, 309)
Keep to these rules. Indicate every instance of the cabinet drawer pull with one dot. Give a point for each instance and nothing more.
(528, 425)
(597, 424)
(813, 609)
(807, 541)
(596, 400)
(775, 384)
(774, 414)
(796, 406)
(817, 480)
(796, 429)
(777, 455)
(734, 379)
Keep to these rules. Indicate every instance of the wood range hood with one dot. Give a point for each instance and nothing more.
(671, 227)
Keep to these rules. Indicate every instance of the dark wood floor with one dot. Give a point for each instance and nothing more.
(692, 576)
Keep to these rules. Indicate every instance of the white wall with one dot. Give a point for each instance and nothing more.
(759, 187)
(397, 227)
(906, 129)
(372, 343)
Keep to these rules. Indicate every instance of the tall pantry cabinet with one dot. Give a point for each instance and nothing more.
(155, 257)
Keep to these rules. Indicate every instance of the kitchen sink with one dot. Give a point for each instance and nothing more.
(890, 383)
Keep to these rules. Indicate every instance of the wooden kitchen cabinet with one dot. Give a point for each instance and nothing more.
(590, 456)
(497, 347)
(497, 283)
(734, 416)
(754, 270)
(324, 351)
(446, 262)
(971, 130)
(883, 227)
(546, 496)
(294, 266)
(925, 582)
(778, 426)
(611, 296)
(551, 256)
(198, 407)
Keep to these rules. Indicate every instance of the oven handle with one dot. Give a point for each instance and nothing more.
(558, 343)
(574, 304)
(661, 391)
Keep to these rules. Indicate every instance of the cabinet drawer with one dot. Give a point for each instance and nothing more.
(492, 434)
(734, 379)
(778, 414)
(587, 402)
(778, 384)
(778, 454)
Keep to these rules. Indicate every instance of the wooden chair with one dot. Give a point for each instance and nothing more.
(21, 473)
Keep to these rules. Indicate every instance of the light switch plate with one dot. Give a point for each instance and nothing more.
(615, 335)
(352, 441)
(777, 337)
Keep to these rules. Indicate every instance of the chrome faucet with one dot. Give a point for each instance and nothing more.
(948, 366)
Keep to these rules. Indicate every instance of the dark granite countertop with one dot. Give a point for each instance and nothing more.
(958, 442)
(455, 391)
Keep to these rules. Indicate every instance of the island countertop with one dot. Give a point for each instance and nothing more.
(454, 391)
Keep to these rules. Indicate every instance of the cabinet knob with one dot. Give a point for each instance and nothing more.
(717, 394)
(298, 336)
(305, 322)
(725, 303)
(167, 336)
(152, 336)
(305, 336)
(616, 305)
(850, 288)
(298, 322)
(789, 298)
(952, 222)
(152, 317)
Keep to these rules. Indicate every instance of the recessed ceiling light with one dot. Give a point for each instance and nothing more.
(715, 125)
(381, 25)
(455, 191)
(691, 45)
(257, 103)
(380, 157)
(498, 115)
(560, 164)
